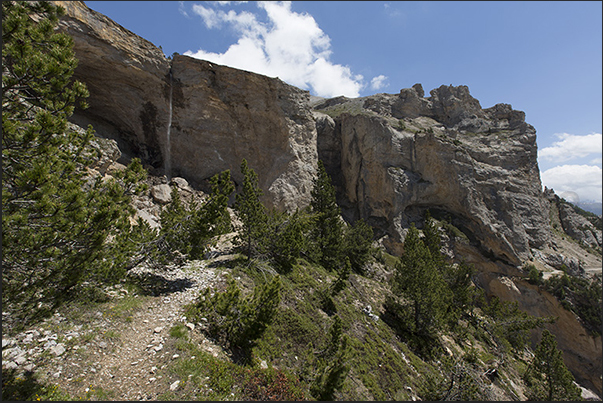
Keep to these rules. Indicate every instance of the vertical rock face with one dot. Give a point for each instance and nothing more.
(222, 115)
(127, 79)
(219, 115)
(399, 155)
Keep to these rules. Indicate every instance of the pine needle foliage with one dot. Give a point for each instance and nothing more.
(547, 376)
(239, 322)
(251, 213)
(418, 279)
(190, 231)
(328, 228)
(58, 219)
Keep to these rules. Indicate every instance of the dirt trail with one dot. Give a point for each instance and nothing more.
(118, 351)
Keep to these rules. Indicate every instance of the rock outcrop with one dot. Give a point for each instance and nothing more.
(390, 156)
(187, 117)
(394, 156)
(572, 223)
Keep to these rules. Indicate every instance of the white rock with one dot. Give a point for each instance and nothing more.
(174, 385)
(20, 360)
(58, 349)
(162, 193)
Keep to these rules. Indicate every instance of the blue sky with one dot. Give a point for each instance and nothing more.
(544, 58)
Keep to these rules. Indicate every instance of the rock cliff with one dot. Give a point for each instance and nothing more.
(394, 156)
(187, 117)
(391, 156)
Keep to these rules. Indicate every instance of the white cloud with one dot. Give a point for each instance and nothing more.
(571, 146)
(585, 180)
(379, 82)
(182, 10)
(288, 45)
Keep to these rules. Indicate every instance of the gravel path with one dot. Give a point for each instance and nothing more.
(118, 352)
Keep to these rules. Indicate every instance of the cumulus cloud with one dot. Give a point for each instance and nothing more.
(287, 45)
(572, 146)
(585, 180)
(379, 82)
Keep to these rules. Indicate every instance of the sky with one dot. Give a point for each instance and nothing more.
(543, 58)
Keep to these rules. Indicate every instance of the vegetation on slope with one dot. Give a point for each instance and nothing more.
(302, 318)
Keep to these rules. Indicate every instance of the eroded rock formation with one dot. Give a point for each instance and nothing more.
(187, 117)
(391, 156)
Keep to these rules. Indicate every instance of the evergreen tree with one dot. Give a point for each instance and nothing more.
(238, 321)
(357, 244)
(331, 366)
(190, 230)
(432, 238)
(251, 213)
(511, 326)
(418, 279)
(285, 238)
(458, 279)
(547, 376)
(212, 217)
(328, 229)
(456, 276)
(57, 220)
(174, 219)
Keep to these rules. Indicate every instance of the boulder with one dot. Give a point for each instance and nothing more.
(162, 193)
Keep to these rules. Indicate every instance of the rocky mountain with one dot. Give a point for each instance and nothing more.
(391, 157)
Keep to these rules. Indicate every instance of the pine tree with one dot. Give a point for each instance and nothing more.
(328, 229)
(251, 213)
(547, 376)
(57, 220)
(212, 217)
(331, 366)
(432, 238)
(418, 279)
(191, 230)
(357, 244)
(285, 238)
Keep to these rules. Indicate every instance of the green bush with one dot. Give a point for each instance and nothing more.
(534, 275)
(238, 321)
(581, 296)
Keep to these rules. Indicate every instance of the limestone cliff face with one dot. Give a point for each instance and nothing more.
(126, 77)
(393, 156)
(222, 115)
(190, 118)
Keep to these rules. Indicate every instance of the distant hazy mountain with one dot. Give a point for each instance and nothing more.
(593, 207)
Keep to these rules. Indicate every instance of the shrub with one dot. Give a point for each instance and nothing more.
(235, 320)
